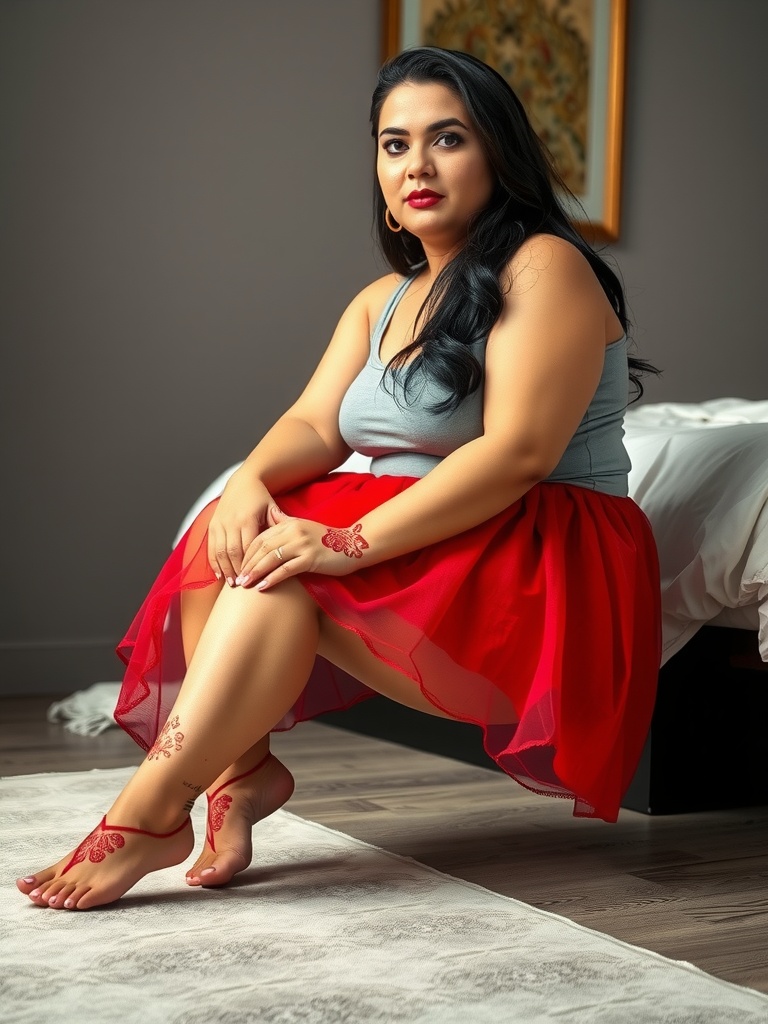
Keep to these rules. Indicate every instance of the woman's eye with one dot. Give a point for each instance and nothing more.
(449, 140)
(394, 142)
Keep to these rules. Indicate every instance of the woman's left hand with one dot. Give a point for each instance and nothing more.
(292, 546)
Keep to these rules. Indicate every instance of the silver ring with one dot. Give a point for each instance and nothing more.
(279, 553)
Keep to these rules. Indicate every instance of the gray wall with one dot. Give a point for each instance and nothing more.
(185, 213)
(695, 212)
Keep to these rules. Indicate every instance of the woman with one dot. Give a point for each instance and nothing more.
(489, 568)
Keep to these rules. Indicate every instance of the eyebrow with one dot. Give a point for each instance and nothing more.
(448, 122)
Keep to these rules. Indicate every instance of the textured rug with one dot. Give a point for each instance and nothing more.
(322, 930)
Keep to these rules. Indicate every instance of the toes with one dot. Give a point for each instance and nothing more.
(222, 872)
(57, 899)
(40, 894)
(32, 882)
(84, 897)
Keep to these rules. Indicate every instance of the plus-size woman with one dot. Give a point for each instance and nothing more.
(490, 566)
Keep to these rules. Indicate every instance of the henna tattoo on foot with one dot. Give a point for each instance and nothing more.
(350, 541)
(216, 812)
(96, 846)
(167, 741)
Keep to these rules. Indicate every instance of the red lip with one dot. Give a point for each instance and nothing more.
(423, 198)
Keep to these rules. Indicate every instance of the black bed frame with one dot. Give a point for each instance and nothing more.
(708, 744)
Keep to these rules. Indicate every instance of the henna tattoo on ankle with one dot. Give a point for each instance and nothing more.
(167, 741)
(350, 541)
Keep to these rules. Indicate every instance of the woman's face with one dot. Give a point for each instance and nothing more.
(431, 167)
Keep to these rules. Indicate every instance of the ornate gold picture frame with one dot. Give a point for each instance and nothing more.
(566, 61)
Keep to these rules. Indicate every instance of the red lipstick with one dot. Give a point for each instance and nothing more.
(420, 199)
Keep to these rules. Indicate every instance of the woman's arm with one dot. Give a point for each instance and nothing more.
(304, 443)
(544, 360)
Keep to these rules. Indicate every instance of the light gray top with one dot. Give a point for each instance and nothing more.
(405, 438)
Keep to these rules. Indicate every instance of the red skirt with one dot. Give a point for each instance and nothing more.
(541, 626)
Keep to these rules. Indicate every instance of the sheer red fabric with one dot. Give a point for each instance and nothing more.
(540, 626)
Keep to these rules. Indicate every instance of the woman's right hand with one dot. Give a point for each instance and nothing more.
(241, 515)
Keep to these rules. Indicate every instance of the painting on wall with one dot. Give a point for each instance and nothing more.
(564, 59)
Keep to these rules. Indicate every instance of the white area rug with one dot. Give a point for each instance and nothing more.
(324, 930)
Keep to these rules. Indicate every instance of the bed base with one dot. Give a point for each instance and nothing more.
(715, 686)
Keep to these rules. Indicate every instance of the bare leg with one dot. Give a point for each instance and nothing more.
(248, 800)
(259, 795)
(251, 663)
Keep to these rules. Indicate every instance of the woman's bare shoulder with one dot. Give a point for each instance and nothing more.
(545, 254)
(373, 297)
(378, 291)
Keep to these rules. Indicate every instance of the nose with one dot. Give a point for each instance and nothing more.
(420, 164)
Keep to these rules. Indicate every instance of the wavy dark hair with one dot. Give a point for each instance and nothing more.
(466, 299)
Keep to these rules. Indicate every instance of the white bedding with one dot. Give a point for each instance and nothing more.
(700, 473)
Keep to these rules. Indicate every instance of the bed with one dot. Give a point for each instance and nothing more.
(700, 473)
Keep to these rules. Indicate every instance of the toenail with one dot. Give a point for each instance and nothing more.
(207, 871)
(51, 901)
(68, 903)
(29, 880)
(35, 892)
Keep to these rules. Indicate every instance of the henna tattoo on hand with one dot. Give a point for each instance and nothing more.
(350, 541)
(167, 741)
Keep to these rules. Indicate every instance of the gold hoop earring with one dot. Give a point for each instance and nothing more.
(389, 221)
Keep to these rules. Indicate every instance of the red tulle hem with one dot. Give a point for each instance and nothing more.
(541, 626)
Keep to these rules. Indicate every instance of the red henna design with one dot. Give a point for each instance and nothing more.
(106, 838)
(219, 805)
(96, 846)
(166, 742)
(350, 541)
(217, 810)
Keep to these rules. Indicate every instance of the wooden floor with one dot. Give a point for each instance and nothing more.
(692, 887)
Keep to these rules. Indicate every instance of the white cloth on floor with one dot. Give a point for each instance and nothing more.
(87, 712)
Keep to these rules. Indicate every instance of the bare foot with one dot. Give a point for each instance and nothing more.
(231, 815)
(106, 865)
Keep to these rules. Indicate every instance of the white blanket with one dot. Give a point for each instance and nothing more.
(700, 473)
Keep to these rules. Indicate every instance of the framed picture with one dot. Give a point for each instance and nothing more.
(564, 59)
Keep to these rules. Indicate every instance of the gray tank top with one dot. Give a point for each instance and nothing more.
(405, 438)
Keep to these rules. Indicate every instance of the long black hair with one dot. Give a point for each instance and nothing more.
(466, 299)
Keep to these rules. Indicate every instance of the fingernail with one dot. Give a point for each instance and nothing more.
(244, 579)
(230, 581)
(217, 575)
(261, 585)
(238, 580)
(207, 871)
(29, 880)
